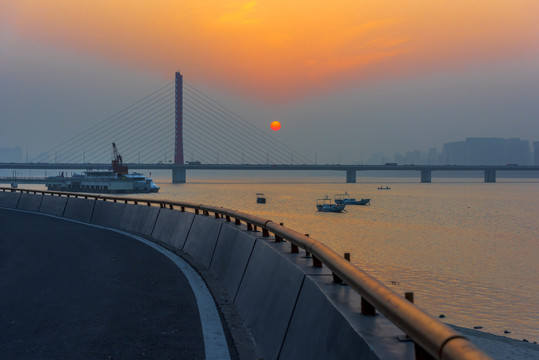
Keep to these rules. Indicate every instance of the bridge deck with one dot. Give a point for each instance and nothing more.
(69, 290)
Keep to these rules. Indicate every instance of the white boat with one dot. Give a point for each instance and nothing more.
(109, 182)
(347, 200)
(325, 205)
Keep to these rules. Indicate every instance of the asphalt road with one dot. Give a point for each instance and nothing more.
(72, 291)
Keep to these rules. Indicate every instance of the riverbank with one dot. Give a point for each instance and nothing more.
(500, 347)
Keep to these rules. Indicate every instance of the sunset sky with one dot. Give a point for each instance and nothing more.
(372, 76)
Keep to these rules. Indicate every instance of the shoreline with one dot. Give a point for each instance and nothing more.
(500, 347)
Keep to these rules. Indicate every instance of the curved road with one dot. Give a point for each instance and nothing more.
(73, 291)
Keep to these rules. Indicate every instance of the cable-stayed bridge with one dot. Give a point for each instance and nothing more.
(174, 120)
(178, 127)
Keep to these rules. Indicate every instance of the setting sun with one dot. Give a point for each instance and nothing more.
(275, 126)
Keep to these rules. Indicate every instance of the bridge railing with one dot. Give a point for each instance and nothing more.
(432, 338)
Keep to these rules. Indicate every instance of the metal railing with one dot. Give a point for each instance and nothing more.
(432, 338)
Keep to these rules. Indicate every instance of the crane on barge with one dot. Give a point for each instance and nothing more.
(117, 164)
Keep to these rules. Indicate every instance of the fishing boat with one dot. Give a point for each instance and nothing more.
(384, 188)
(347, 200)
(260, 198)
(325, 205)
(117, 181)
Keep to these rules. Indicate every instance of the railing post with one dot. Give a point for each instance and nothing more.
(367, 308)
(410, 297)
(294, 248)
(336, 277)
(265, 232)
(421, 354)
(277, 237)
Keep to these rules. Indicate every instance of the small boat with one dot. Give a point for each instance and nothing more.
(260, 198)
(347, 200)
(384, 188)
(325, 205)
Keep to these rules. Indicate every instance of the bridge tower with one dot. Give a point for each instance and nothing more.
(178, 174)
(178, 143)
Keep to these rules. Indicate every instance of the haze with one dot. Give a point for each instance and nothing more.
(345, 79)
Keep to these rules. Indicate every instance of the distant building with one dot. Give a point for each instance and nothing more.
(413, 157)
(536, 153)
(398, 158)
(377, 159)
(433, 158)
(11, 154)
(486, 151)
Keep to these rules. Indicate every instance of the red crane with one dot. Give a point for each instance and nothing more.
(117, 165)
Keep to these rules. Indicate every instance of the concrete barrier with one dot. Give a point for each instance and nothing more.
(30, 202)
(53, 205)
(202, 238)
(327, 324)
(266, 297)
(139, 219)
(292, 309)
(231, 256)
(9, 199)
(79, 209)
(172, 227)
(108, 214)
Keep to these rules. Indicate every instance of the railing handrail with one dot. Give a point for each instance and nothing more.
(438, 339)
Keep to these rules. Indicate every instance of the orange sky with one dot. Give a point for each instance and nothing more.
(283, 49)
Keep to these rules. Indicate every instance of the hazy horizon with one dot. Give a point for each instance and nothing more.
(345, 81)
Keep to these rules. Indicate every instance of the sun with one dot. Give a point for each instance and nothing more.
(275, 126)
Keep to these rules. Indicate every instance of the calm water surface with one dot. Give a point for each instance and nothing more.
(468, 250)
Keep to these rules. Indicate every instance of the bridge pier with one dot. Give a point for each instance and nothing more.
(350, 176)
(490, 175)
(426, 176)
(179, 176)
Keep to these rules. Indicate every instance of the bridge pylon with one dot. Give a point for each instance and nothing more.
(178, 142)
(351, 176)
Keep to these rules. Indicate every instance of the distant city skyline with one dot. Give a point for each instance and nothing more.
(470, 151)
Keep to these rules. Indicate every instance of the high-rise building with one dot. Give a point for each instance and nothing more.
(433, 158)
(453, 153)
(487, 151)
(536, 153)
